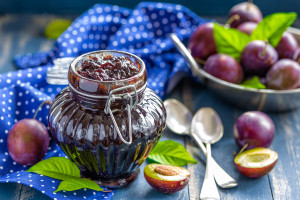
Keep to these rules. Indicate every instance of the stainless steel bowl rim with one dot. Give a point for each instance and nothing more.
(238, 87)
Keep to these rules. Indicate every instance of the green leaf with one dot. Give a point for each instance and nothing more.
(78, 183)
(253, 83)
(273, 26)
(171, 153)
(64, 169)
(230, 41)
(55, 28)
(56, 167)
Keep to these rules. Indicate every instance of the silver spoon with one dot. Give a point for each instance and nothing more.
(208, 126)
(179, 121)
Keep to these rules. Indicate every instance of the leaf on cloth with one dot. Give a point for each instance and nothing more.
(56, 167)
(77, 184)
(64, 169)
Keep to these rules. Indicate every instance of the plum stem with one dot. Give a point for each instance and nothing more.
(263, 53)
(198, 60)
(248, 4)
(243, 149)
(38, 109)
(231, 19)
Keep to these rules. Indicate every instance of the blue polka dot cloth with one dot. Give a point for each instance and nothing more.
(143, 31)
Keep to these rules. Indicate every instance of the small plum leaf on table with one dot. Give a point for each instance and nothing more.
(171, 153)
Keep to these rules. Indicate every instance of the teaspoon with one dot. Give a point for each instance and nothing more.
(207, 125)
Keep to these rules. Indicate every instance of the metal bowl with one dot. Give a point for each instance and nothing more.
(251, 99)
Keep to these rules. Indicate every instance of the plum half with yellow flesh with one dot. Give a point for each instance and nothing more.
(256, 162)
(166, 178)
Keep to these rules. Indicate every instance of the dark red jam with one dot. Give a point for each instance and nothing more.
(107, 68)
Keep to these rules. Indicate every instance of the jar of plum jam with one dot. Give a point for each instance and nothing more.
(107, 121)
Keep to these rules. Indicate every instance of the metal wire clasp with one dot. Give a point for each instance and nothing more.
(113, 97)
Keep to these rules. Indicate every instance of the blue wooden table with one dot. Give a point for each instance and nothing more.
(23, 33)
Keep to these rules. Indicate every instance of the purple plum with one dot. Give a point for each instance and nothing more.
(28, 141)
(287, 46)
(284, 75)
(254, 128)
(257, 57)
(224, 67)
(247, 27)
(247, 12)
(202, 42)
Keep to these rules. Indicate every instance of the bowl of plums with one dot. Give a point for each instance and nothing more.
(251, 62)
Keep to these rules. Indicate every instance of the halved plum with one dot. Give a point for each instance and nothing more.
(166, 178)
(257, 162)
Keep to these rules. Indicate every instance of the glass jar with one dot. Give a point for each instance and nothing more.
(107, 128)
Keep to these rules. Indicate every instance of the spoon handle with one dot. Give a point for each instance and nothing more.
(192, 64)
(223, 179)
(209, 188)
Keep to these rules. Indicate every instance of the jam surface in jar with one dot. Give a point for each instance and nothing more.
(107, 68)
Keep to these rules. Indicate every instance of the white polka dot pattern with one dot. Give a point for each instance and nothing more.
(143, 31)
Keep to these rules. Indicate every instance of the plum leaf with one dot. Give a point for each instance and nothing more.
(273, 26)
(230, 41)
(55, 28)
(78, 183)
(253, 83)
(56, 167)
(171, 153)
(64, 169)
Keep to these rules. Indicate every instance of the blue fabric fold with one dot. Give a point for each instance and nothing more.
(143, 31)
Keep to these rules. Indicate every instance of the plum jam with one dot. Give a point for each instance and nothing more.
(107, 122)
(107, 68)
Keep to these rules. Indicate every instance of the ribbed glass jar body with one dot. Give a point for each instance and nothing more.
(86, 133)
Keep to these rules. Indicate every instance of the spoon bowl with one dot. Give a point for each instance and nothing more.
(179, 118)
(207, 125)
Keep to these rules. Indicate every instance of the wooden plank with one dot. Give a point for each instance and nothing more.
(211, 8)
(285, 177)
(20, 34)
(28, 193)
(10, 191)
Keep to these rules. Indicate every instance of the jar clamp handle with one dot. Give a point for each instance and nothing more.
(112, 98)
